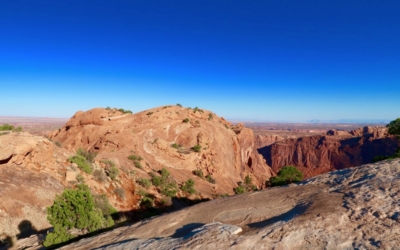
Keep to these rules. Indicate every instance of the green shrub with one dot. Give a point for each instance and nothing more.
(286, 175)
(156, 180)
(210, 116)
(248, 180)
(89, 156)
(144, 182)
(179, 105)
(81, 162)
(80, 178)
(394, 127)
(195, 109)
(135, 158)
(175, 145)
(196, 148)
(198, 173)
(108, 108)
(164, 173)
(138, 164)
(128, 112)
(58, 144)
(150, 113)
(169, 189)
(111, 170)
(7, 127)
(210, 179)
(74, 209)
(240, 189)
(188, 187)
(121, 110)
(186, 120)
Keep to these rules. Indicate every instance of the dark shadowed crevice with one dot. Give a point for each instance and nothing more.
(5, 161)
(249, 162)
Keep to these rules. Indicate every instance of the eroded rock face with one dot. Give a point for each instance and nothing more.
(227, 154)
(315, 155)
(355, 208)
(266, 140)
(30, 178)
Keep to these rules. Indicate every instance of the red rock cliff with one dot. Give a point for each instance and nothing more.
(315, 155)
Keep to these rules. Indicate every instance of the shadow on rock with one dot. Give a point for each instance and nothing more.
(285, 217)
(186, 229)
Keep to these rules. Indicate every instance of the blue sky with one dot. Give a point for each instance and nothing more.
(276, 60)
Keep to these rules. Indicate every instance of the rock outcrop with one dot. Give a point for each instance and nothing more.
(33, 169)
(31, 174)
(164, 138)
(357, 208)
(266, 140)
(315, 155)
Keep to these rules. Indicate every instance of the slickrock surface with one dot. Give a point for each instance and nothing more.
(357, 208)
(31, 174)
(227, 154)
(314, 155)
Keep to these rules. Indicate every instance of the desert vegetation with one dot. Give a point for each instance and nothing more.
(83, 159)
(196, 148)
(8, 127)
(188, 187)
(77, 209)
(245, 186)
(286, 175)
(393, 129)
(111, 170)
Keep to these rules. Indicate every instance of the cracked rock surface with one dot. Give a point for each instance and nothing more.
(356, 208)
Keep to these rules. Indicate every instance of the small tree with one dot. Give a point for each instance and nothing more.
(74, 209)
(188, 187)
(287, 175)
(394, 127)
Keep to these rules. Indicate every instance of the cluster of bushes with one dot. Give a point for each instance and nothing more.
(196, 148)
(200, 174)
(186, 120)
(197, 109)
(8, 127)
(136, 160)
(245, 186)
(111, 170)
(125, 111)
(77, 209)
(393, 129)
(164, 183)
(188, 187)
(286, 175)
(83, 159)
(121, 110)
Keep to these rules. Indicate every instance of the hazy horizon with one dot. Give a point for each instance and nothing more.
(274, 60)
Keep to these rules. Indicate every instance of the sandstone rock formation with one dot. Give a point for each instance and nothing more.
(315, 155)
(33, 169)
(266, 140)
(227, 155)
(31, 174)
(357, 208)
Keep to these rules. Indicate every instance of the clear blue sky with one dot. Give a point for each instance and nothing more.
(275, 60)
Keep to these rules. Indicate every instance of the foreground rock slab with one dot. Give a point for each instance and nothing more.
(356, 208)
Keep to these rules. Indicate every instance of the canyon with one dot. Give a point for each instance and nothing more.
(198, 145)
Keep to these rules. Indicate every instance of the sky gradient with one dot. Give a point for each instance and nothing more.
(276, 60)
